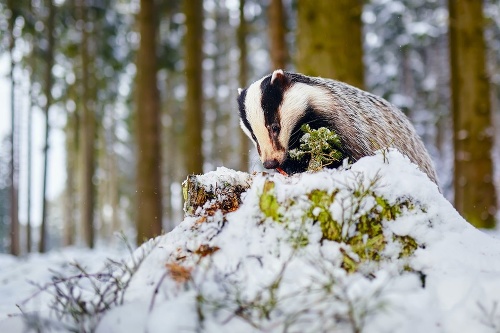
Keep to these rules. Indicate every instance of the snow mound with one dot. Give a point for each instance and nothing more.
(269, 267)
(373, 247)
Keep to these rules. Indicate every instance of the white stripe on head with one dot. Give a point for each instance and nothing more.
(295, 102)
(255, 116)
(247, 132)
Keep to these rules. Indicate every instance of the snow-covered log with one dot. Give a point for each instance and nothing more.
(221, 189)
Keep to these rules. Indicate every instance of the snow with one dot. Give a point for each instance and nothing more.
(19, 278)
(223, 175)
(244, 272)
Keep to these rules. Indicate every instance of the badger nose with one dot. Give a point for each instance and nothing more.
(271, 164)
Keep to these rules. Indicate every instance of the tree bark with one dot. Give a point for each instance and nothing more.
(225, 196)
(87, 133)
(149, 183)
(15, 247)
(242, 33)
(475, 196)
(30, 154)
(277, 31)
(114, 185)
(329, 40)
(49, 61)
(193, 11)
(70, 204)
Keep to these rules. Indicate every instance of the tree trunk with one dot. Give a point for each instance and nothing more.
(277, 32)
(329, 40)
(218, 150)
(243, 81)
(49, 61)
(114, 186)
(475, 196)
(87, 134)
(30, 155)
(15, 247)
(70, 208)
(169, 135)
(149, 183)
(193, 11)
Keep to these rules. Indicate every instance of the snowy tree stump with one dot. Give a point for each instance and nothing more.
(217, 190)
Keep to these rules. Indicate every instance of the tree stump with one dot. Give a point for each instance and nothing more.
(216, 190)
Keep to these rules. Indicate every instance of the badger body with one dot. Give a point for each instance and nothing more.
(273, 109)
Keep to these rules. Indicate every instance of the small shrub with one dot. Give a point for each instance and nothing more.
(78, 302)
(321, 146)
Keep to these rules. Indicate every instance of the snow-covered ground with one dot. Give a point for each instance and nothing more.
(19, 277)
(267, 267)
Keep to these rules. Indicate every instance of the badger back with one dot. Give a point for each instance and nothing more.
(366, 123)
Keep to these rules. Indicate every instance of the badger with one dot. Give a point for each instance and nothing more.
(273, 109)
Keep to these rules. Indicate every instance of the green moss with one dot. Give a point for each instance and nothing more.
(349, 264)
(388, 212)
(408, 244)
(362, 230)
(367, 242)
(319, 212)
(268, 202)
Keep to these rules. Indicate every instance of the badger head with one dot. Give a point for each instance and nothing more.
(273, 109)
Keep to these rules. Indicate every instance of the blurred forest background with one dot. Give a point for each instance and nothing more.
(107, 105)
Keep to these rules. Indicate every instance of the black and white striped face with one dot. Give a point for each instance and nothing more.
(270, 110)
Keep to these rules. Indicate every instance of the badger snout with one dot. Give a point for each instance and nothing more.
(271, 164)
(273, 159)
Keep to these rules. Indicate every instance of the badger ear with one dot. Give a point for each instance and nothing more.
(239, 91)
(279, 78)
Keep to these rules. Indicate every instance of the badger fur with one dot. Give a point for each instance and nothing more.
(273, 109)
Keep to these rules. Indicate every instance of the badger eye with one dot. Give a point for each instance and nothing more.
(275, 128)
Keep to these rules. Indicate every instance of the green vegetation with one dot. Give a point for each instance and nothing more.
(356, 219)
(268, 203)
(322, 146)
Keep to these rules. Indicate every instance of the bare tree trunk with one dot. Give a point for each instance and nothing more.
(149, 183)
(71, 174)
(218, 147)
(113, 181)
(32, 65)
(30, 154)
(243, 81)
(15, 247)
(169, 135)
(116, 226)
(222, 150)
(329, 40)
(475, 196)
(108, 184)
(277, 32)
(193, 10)
(87, 134)
(49, 60)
